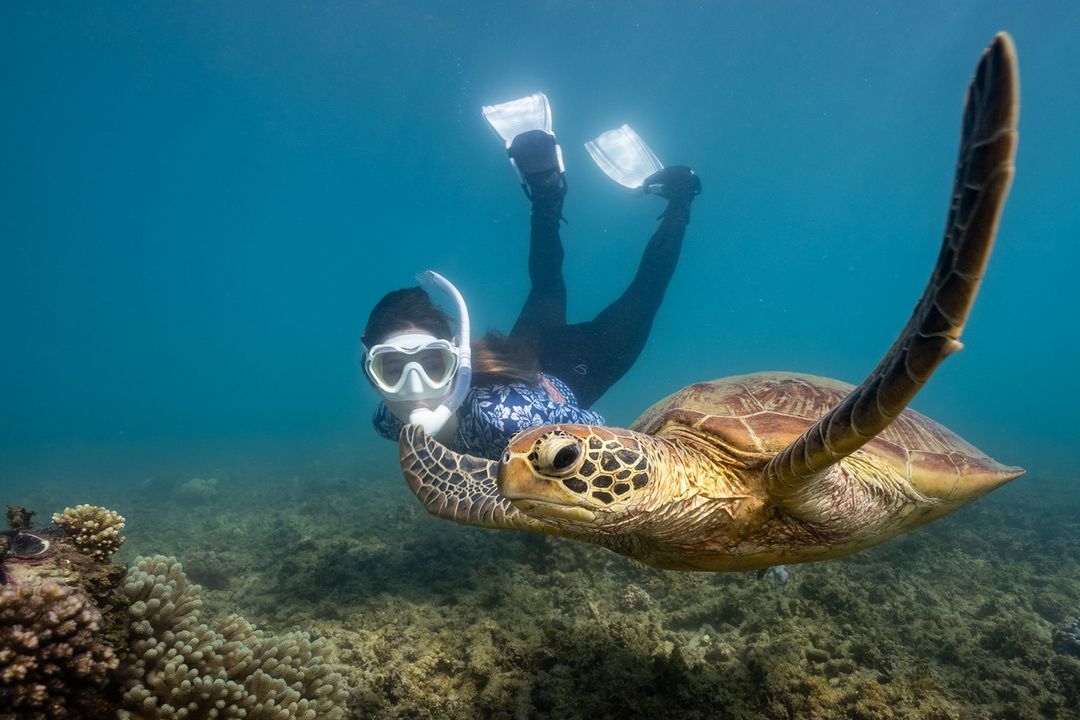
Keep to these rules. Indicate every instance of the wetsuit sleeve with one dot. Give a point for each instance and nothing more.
(386, 423)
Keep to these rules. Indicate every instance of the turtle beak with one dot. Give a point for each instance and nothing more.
(538, 496)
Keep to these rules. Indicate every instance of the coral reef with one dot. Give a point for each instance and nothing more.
(436, 620)
(93, 531)
(63, 598)
(955, 621)
(53, 662)
(35, 557)
(186, 668)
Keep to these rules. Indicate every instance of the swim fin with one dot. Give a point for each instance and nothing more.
(525, 126)
(624, 157)
(510, 119)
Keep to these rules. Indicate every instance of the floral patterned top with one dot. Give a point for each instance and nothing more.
(492, 414)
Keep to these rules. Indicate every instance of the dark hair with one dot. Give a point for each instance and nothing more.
(402, 310)
(495, 357)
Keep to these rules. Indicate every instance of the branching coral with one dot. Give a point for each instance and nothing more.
(185, 668)
(93, 531)
(52, 662)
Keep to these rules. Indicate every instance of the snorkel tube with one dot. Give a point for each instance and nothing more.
(433, 420)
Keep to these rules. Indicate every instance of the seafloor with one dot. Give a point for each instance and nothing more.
(437, 620)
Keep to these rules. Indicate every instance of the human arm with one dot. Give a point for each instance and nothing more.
(386, 424)
(495, 413)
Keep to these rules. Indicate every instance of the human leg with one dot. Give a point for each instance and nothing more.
(592, 356)
(545, 307)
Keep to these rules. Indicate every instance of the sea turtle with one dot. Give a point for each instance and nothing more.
(771, 468)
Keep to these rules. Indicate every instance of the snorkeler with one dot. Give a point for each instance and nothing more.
(473, 397)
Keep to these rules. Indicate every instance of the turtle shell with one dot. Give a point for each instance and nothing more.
(763, 413)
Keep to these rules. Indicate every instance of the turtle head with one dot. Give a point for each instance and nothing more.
(575, 474)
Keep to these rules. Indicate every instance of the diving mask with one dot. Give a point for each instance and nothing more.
(412, 366)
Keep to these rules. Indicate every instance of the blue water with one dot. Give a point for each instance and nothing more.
(201, 201)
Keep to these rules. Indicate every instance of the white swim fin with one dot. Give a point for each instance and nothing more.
(624, 157)
(510, 119)
(525, 126)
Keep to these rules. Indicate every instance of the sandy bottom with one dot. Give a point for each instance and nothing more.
(437, 620)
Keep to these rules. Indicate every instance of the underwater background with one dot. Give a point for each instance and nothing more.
(200, 202)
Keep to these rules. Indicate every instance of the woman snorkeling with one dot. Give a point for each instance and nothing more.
(475, 397)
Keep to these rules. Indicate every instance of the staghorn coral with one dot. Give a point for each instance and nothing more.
(184, 668)
(93, 531)
(52, 662)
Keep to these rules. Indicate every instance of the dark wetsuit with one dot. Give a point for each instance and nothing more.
(591, 356)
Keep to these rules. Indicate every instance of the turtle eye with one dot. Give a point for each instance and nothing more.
(566, 457)
(559, 455)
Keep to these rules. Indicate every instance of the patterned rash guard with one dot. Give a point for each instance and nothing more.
(492, 414)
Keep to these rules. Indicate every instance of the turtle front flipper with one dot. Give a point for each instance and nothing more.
(457, 487)
(983, 174)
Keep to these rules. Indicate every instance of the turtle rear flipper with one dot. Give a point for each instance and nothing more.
(457, 487)
(983, 173)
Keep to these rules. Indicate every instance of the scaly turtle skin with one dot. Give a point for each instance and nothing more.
(751, 471)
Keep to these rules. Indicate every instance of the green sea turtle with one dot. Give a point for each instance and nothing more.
(772, 468)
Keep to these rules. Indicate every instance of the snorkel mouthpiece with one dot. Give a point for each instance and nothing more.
(431, 420)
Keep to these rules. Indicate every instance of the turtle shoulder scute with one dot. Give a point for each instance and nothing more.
(760, 412)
